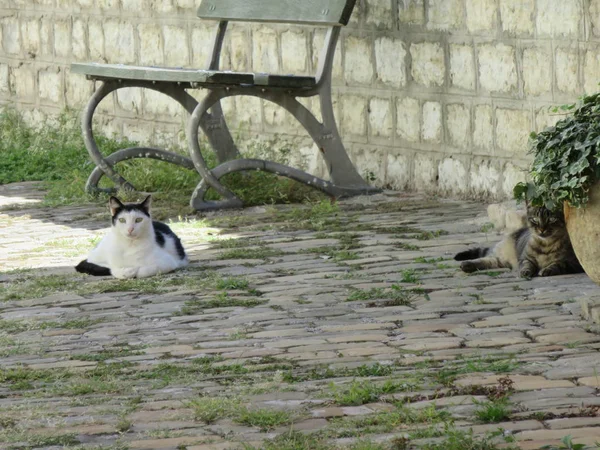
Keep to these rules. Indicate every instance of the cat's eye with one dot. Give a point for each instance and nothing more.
(552, 219)
(138, 220)
(122, 220)
(534, 221)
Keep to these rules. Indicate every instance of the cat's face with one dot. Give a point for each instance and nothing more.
(130, 220)
(544, 222)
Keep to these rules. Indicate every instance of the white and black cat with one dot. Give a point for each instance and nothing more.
(136, 246)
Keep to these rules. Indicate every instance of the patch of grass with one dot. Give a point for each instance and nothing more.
(36, 287)
(486, 227)
(566, 443)
(395, 295)
(454, 439)
(211, 409)
(117, 351)
(265, 419)
(494, 411)
(363, 391)
(251, 253)
(293, 441)
(409, 276)
(447, 375)
(323, 373)
(222, 300)
(407, 246)
(424, 260)
(232, 283)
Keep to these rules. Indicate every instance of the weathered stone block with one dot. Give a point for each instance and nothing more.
(481, 15)
(62, 38)
(119, 42)
(432, 122)
(353, 108)
(248, 112)
(517, 16)
(537, 71)
(164, 138)
(458, 124)
(358, 66)
(408, 115)
(177, 53)
(425, 172)
(453, 176)
(4, 79)
(566, 68)
(130, 99)
(85, 3)
(398, 170)
(411, 12)
(557, 18)
(133, 5)
(379, 13)
(317, 46)
(511, 175)
(428, 67)
(485, 178)
(265, 50)
(163, 6)
(445, 15)
(151, 44)
(380, 118)
(390, 60)
(96, 36)
(368, 162)
(545, 118)
(276, 116)
(497, 68)
(50, 86)
(462, 66)
(30, 31)
(591, 69)
(79, 43)
(109, 5)
(294, 51)
(512, 130)
(78, 90)
(483, 132)
(137, 133)
(201, 35)
(186, 4)
(46, 38)
(237, 49)
(595, 16)
(22, 80)
(11, 38)
(159, 104)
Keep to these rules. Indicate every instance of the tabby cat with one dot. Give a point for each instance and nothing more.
(541, 248)
(136, 246)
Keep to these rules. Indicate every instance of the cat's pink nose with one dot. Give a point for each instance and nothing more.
(130, 230)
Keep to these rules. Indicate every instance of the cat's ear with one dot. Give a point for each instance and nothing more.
(146, 203)
(114, 204)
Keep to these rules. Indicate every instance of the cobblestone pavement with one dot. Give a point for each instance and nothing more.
(349, 324)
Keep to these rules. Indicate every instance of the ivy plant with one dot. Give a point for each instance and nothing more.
(566, 158)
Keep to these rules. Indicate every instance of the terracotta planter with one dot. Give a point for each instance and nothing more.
(583, 225)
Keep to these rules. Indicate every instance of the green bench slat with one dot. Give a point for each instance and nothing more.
(314, 12)
(178, 75)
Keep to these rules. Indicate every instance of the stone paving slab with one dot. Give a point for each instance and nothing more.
(355, 325)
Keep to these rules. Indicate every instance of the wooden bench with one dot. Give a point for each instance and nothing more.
(207, 114)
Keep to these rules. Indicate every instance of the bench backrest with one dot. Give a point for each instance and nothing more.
(313, 12)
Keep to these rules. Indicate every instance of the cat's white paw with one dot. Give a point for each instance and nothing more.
(148, 271)
(125, 272)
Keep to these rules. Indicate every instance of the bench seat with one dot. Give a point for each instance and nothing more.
(193, 77)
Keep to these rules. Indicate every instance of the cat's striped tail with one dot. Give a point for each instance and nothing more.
(472, 253)
(92, 269)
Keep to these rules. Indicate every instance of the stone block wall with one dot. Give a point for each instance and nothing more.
(433, 95)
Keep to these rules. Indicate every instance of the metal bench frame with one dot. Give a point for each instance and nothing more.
(208, 115)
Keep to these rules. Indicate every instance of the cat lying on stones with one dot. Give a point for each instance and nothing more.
(136, 246)
(542, 247)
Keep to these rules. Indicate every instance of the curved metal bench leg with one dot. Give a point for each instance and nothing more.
(213, 125)
(90, 143)
(230, 200)
(136, 152)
